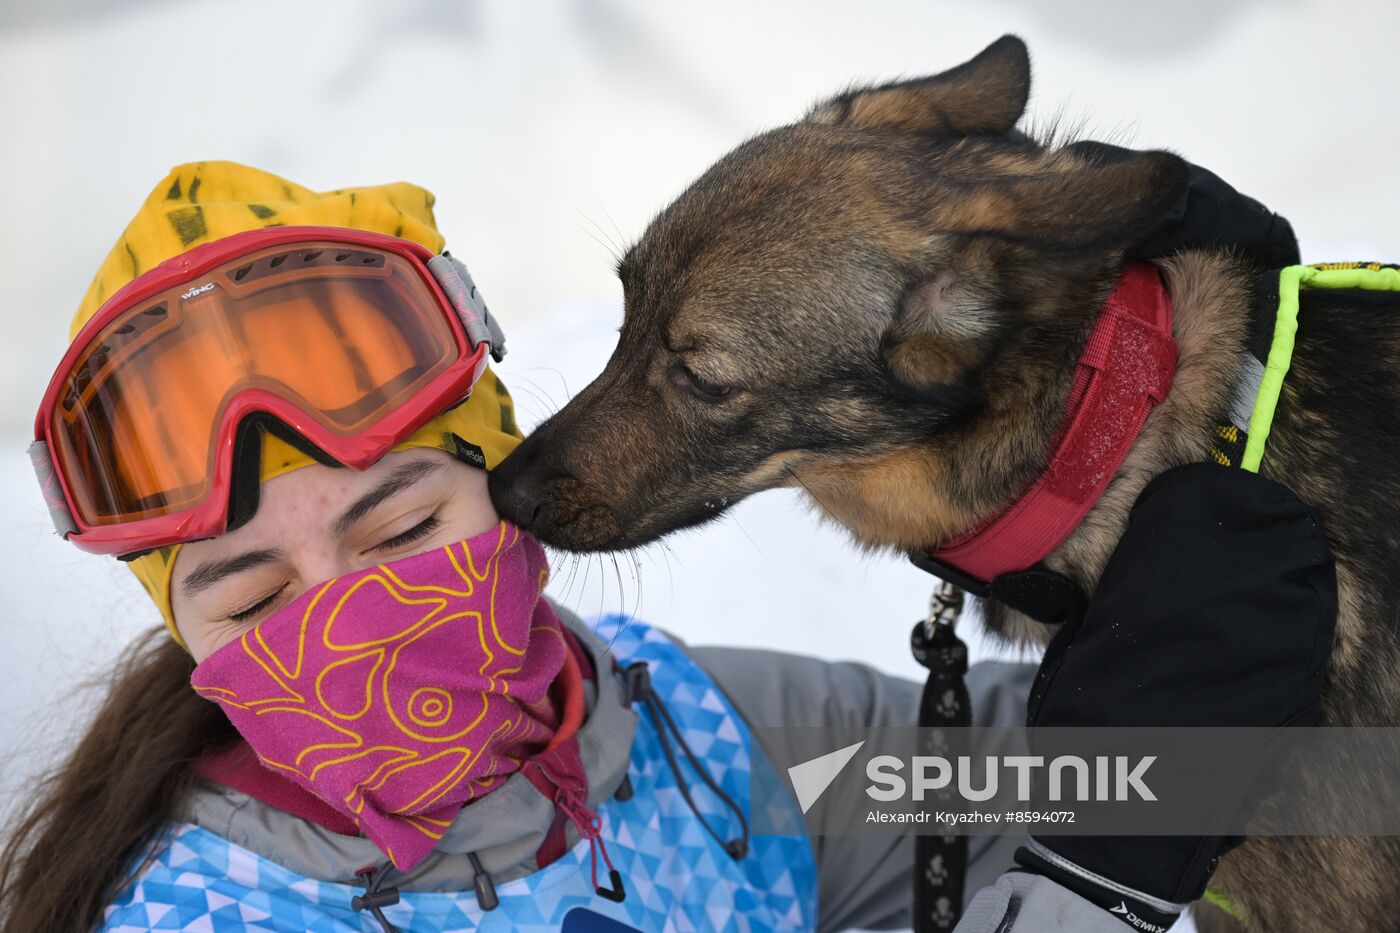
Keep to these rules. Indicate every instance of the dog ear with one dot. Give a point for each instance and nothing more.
(942, 324)
(1102, 206)
(985, 95)
(939, 331)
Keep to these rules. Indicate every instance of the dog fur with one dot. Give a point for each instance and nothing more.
(883, 305)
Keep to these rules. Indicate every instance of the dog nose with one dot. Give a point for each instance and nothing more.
(522, 511)
(533, 513)
(518, 497)
(512, 500)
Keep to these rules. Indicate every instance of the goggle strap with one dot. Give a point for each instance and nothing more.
(52, 489)
(451, 273)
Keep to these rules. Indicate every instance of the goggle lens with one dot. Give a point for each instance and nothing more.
(345, 332)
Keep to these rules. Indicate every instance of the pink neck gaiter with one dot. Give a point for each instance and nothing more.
(399, 693)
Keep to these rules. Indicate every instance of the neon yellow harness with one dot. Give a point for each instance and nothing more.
(1368, 275)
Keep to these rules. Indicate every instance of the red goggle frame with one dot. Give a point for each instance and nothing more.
(171, 366)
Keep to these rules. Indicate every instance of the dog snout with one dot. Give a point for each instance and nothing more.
(536, 492)
(518, 488)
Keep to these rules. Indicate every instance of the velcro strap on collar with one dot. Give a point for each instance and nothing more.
(1125, 370)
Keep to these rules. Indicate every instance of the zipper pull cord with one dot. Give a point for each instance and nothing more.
(486, 897)
(590, 827)
(376, 897)
(639, 688)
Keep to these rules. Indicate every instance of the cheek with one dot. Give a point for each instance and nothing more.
(203, 636)
(202, 640)
(208, 644)
(200, 628)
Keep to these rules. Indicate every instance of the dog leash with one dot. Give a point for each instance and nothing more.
(940, 861)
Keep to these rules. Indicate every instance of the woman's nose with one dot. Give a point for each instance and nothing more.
(326, 564)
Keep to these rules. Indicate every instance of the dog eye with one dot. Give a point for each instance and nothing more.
(698, 386)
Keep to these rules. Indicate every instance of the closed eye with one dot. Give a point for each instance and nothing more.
(421, 530)
(698, 386)
(257, 607)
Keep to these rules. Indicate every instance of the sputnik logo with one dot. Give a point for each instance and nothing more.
(810, 779)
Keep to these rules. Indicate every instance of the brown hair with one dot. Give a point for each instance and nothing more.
(73, 847)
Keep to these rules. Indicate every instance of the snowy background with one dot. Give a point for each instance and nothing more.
(551, 132)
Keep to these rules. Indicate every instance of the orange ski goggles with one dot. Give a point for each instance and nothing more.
(341, 341)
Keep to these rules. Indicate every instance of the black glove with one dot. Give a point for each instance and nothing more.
(1216, 609)
(1210, 213)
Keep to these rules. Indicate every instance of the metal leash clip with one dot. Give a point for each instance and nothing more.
(937, 631)
(945, 605)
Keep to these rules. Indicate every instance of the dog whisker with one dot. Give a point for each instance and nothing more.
(622, 239)
(546, 396)
(817, 499)
(667, 554)
(537, 398)
(744, 531)
(602, 587)
(635, 563)
(563, 383)
(602, 241)
(630, 616)
(569, 583)
(614, 245)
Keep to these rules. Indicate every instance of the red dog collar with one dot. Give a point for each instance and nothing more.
(1126, 368)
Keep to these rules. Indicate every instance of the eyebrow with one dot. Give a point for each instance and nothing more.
(393, 484)
(213, 571)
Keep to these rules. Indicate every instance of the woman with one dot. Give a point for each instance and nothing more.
(365, 715)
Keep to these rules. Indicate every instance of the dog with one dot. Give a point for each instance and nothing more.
(883, 304)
